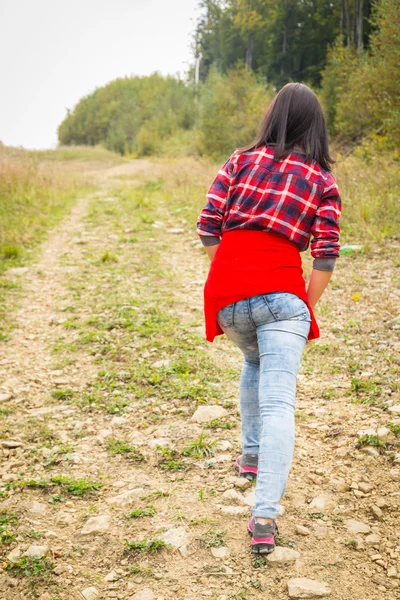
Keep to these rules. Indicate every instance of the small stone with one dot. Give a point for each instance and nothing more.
(250, 498)
(64, 519)
(207, 413)
(381, 502)
(391, 572)
(394, 409)
(242, 483)
(112, 576)
(375, 557)
(307, 588)
(383, 432)
(301, 530)
(221, 552)
(125, 498)
(354, 485)
(90, 593)
(14, 555)
(96, 525)
(5, 397)
(176, 537)
(321, 531)
(37, 508)
(44, 596)
(233, 495)
(163, 442)
(37, 551)
(282, 554)
(224, 445)
(144, 594)
(323, 503)
(366, 487)
(59, 569)
(376, 511)
(11, 443)
(372, 451)
(373, 539)
(234, 510)
(50, 534)
(176, 230)
(298, 501)
(357, 527)
(341, 486)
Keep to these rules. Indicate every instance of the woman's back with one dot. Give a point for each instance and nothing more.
(291, 196)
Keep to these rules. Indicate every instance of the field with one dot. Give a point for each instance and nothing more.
(108, 481)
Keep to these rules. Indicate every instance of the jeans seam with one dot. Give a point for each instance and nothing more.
(249, 311)
(270, 309)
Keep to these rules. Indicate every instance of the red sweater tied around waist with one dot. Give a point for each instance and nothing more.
(249, 263)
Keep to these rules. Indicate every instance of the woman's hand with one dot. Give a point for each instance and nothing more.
(211, 250)
(318, 282)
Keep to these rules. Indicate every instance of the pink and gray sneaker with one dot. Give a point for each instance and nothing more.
(247, 466)
(262, 536)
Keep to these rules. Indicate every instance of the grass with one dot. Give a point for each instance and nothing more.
(170, 460)
(115, 446)
(151, 546)
(76, 487)
(213, 538)
(371, 440)
(139, 513)
(200, 448)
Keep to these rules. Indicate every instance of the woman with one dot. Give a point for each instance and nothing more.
(265, 204)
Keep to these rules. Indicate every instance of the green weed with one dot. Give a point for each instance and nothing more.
(76, 487)
(200, 448)
(152, 546)
(138, 513)
(115, 446)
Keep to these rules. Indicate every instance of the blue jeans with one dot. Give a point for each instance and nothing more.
(271, 330)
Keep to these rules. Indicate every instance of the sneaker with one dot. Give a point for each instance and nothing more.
(247, 466)
(262, 536)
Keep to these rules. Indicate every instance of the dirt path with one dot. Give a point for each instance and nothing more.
(98, 387)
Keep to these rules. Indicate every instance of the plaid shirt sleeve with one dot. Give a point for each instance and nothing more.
(325, 229)
(211, 217)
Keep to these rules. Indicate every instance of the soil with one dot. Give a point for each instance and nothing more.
(347, 388)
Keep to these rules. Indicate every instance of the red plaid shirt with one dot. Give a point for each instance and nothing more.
(292, 197)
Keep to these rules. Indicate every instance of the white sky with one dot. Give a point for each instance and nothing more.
(53, 52)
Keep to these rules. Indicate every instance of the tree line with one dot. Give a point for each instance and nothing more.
(348, 51)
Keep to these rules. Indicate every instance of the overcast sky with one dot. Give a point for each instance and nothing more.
(53, 52)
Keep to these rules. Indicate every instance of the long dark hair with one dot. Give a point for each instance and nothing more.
(295, 118)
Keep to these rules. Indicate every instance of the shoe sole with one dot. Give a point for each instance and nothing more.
(261, 548)
(243, 472)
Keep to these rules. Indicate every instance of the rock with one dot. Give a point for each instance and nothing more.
(233, 495)
(144, 594)
(341, 486)
(394, 474)
(159, 364)
(250, 498)
(376, 511)
(187, 551)
(224, 445)
(112, 576)
(37, 551)
(14, 555)
(376, 557)
(381, 502)
(37, 508)
(301, 530)
(125, 498)
(298, 501)
(382, 432)
(64, 519)
(11, 443)
(373, 539)
(366, 487)
(323, 503)
(50, 534)
(207, 413)
(282, 554)
(5, 397)
(176, 537)
(17, 271)
(371, 451)
(163, 442)
(44, 596)
(90, 593)
(117, 421)
(394, 409)
(176, 230)
(391, 572)
(321, 531)
(221, 552)
(307, 588)
(242, 483)
(357, 527)
(96, 525)
(234, 510)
